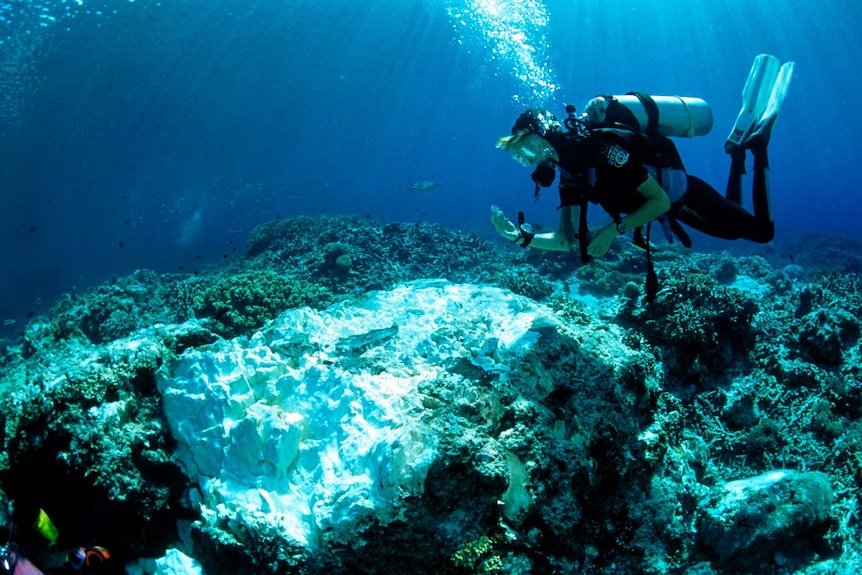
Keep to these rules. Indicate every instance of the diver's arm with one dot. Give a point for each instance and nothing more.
(560, 240)
(655, 205)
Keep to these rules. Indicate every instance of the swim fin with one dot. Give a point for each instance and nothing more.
(755, 98)
(763, 128)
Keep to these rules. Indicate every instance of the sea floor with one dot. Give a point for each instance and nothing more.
(354, 397)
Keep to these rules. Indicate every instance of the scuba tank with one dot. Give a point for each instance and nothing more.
(665, 115)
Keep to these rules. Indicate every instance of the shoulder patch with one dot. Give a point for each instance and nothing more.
(616, 155)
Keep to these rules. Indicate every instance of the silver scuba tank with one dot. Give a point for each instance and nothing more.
(676, 116)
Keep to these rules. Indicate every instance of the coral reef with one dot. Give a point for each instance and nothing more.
(529, 415)
(522, 424)
(86, 439)
(373, 256)
(702, 327)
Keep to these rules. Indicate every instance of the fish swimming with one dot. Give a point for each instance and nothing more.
(422, 186)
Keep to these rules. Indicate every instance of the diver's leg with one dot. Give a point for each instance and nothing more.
(763, 215)
(704, 209)
(734, 180)
(707, 211)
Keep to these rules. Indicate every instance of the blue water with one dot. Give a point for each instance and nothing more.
(156, 134)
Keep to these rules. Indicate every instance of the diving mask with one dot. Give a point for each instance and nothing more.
(529, 149)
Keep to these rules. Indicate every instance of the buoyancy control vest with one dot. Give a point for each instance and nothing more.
(656, 118)
(656, 153)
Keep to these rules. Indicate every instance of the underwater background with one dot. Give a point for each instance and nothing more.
(255, 318)
(144, 134)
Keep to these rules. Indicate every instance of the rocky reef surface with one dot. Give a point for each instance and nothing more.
(350, 397)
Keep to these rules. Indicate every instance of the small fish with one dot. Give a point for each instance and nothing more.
(422, 186)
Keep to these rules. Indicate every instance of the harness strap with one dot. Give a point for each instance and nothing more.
(583, 231)
(651, 110)
(651, 287)
(679, 232)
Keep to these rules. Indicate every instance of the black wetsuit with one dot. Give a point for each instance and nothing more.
(610, 164)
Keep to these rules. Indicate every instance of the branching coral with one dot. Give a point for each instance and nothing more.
(700, 325)
(525, 281)
(240, 303)
(479, 556)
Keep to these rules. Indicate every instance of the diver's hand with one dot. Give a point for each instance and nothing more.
(505, 227)
(602, 242)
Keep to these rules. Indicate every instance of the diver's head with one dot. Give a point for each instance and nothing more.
(537, 121)
(532, 137)
(96, 559)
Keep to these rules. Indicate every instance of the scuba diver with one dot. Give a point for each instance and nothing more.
(82, 561)
(20, 559)
(618, 154)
